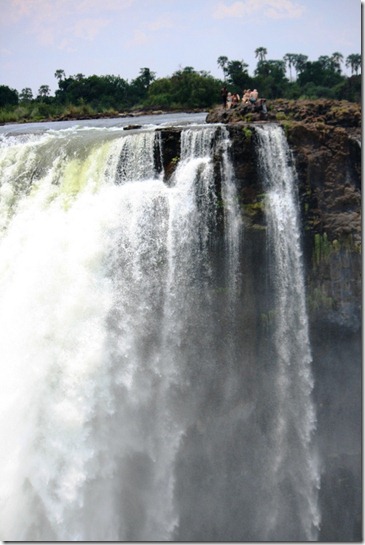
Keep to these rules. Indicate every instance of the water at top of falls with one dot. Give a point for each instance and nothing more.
(116, 124)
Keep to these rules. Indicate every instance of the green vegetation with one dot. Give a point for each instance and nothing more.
(248, 133)
(325, 248)
(175, 160)
(322, 248)
(187, 89)
(319, 300)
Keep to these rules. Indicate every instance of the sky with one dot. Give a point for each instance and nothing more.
(119, 37)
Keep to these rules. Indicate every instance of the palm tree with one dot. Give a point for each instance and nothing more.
(59, 74)
(336, 59)
(354, 61)
(237, 73)
(222, 63)
(261, 53)
(299, 62)
(289, 59)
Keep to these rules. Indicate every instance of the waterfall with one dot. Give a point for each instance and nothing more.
(135, 157)
(103, 268)
(293, 464)
(133, 405)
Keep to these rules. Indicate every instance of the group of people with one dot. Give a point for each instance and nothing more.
(250, 97)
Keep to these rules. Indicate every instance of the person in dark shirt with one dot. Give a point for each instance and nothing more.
(224, 94)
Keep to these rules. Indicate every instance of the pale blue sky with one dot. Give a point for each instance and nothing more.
(119, 37)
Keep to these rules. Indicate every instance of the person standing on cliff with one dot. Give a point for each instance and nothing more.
(224, 94)
(253, 97)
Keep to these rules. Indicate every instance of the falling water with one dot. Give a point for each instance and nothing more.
(102, 266)
(127, 408)
(293, 465)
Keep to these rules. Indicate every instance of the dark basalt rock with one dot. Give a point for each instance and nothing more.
(131, 127)
(167, 151)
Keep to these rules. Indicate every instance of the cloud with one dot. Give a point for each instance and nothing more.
(18, 9)
(67, 45)
(272, 9)
(62, 23)
(139, 38)
(88, 28)
(160, 24)
(89, 6)
(149, 30)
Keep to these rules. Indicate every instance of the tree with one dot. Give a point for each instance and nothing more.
(60, 74)
(237, 74)
(354, 62)
(146, 77)
(8, 96)
(271, 68)
(289, 59)
(325, 62)
(26, 94)
(261, 53)
(320, 73)
(161, 93)
(44, 91)
(100, 92)
(299, 62)
(187, 88)
(141, 84)
(336, 59)
(270, 78)
(222, 63)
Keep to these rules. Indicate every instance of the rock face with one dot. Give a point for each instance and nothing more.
(325, 139)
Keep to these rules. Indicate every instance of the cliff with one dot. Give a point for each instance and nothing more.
(325, 140)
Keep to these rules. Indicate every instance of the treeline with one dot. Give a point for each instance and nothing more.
(293, 77)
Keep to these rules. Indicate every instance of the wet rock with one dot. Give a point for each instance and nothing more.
(167, 154)
(131, 127)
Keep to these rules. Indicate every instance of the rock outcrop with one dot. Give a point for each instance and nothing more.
(332, 112)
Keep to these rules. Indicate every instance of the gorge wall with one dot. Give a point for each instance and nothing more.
(325, 140)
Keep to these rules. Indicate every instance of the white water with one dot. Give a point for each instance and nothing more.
(101, 266)
(123, 376)
(293, 464)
